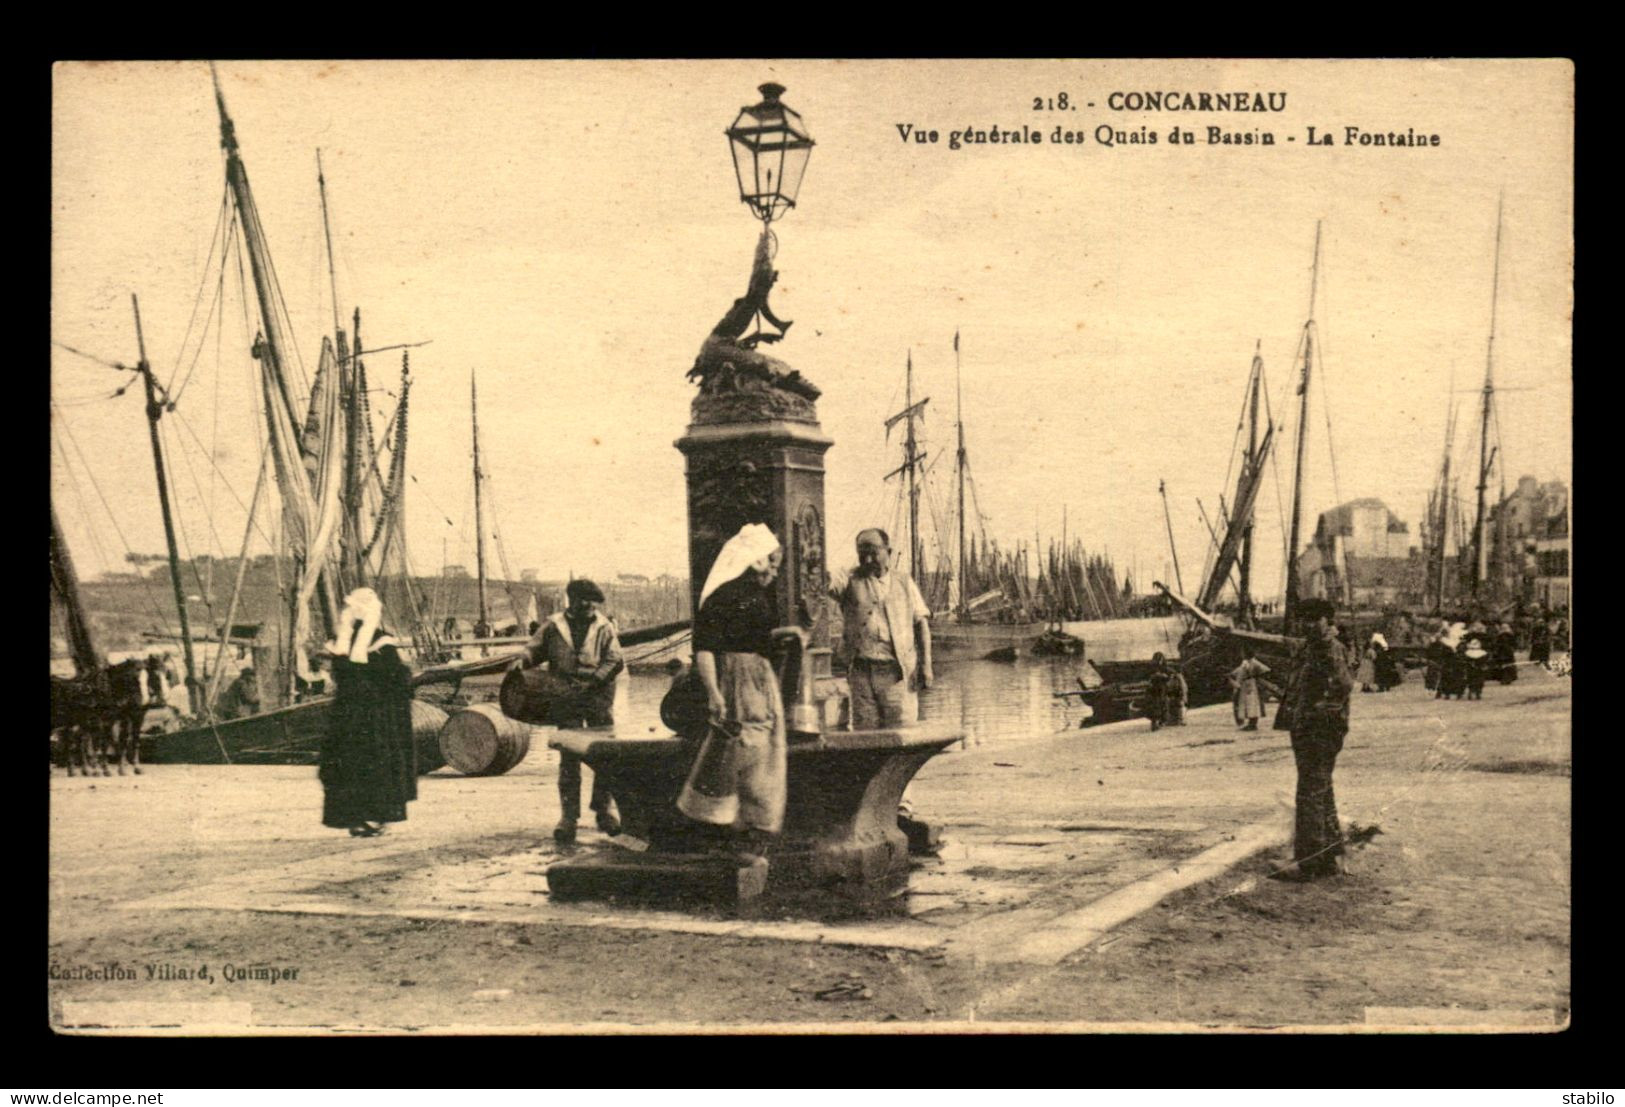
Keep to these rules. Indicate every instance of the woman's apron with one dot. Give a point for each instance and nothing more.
(739, 777)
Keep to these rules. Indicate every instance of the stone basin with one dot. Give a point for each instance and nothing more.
(841, 848)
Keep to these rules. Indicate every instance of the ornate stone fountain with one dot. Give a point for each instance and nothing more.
(755, 454)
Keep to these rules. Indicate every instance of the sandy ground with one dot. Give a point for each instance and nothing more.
(1456, 913)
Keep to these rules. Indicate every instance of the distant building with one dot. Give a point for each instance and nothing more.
(1528, 534)
(1361, 556)
(1551, 583)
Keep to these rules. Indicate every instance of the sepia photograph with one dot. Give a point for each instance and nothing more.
(863, 546)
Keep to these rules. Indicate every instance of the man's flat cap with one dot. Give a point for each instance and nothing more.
(583, 589)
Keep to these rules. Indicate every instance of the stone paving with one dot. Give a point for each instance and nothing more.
(475, 850)
(1058, 894)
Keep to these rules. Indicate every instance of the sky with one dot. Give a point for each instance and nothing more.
(570, 231)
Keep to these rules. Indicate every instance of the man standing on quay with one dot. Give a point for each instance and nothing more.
(886, 637)
(580, 647)
(1319, 702)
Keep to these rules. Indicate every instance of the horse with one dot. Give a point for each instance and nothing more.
(78, 712)
(99, 713)
(126, 707)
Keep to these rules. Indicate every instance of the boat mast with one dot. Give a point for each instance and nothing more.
(1162, 489)
(155, 411)
(913, 481)
(1246, 597)
(270, 349)
(1484, 455)
(1442, 526)
(959, 464)
(1303, 436)
(350, 546)
(911, 465)
(327, 234)
(65, 582)
(483, 630)
(362, 458)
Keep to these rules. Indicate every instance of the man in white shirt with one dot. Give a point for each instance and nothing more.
(886, 640)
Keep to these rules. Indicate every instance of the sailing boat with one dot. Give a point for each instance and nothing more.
(341, 525)
(341, 518)
(1210, 649)
(974, 625)
(1436, 528)
(1464, 576)
(1233, 563)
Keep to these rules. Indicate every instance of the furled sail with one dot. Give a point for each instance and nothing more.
(1247, 486)
(319, 496)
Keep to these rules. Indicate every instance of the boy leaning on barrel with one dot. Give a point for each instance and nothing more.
(579, 646)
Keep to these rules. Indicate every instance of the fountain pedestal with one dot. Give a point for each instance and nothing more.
(755, 454)
(841, 849)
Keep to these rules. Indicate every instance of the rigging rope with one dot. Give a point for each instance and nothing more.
(502, 555)
(242, 286)
(1326, 409)
(223, 479)
(215, 305)
(669, 647)
(82, 401)
(90, 475)
(214, 432)
(438, 509)
(208, 601)
(215, 240)
(397, 470)
(84, 507)
(1280, 505)
(92, 357)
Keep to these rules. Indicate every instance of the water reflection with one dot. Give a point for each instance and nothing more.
(993, 701)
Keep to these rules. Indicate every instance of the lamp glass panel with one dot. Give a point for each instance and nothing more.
(744, 166)
(794, 168)
(772, 173)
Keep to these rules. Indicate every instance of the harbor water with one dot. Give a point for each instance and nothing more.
(993, 701)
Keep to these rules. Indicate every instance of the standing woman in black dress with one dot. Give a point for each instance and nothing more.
(369, 765)
(739, 775)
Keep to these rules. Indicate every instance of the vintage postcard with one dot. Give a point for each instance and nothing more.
(889, 546)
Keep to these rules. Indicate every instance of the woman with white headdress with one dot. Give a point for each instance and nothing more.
(369, 765)
(738, 779)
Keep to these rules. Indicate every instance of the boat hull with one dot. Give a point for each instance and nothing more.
(979, 640)
(287, 736)
(1206, 664)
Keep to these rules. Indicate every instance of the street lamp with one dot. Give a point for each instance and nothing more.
(770, 147)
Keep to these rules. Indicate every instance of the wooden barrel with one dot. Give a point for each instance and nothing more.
(427, 719)
(686, 708)
(482, 741)
(530, 695)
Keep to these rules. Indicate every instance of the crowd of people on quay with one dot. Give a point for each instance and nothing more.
(1467, 653)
